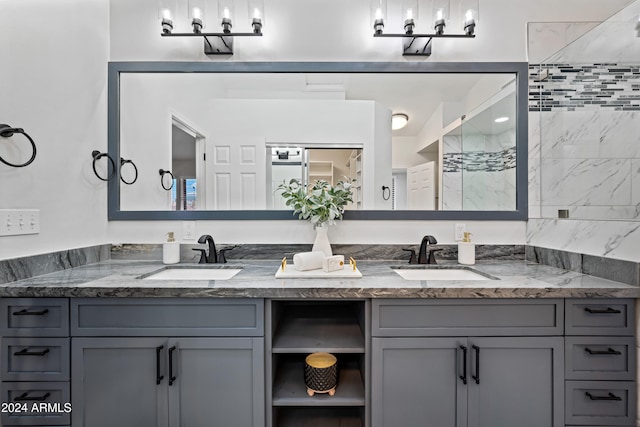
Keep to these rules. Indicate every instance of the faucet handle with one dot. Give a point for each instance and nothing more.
(203, 255)
(432, 259)
(412, 258)
(221, 258)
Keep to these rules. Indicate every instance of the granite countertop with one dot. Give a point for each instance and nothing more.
(515, 279)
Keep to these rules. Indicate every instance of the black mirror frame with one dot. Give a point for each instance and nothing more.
(520, 69)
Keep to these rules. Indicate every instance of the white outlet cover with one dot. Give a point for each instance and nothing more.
(189, 230)
(458, 231)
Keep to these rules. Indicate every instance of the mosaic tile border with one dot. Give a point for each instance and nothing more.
(569, 87)
(479, 161)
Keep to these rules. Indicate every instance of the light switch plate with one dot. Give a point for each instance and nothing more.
(458, 232)
(15, 222)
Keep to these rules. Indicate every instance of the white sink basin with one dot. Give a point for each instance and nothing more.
(440, 274)
(193, 274)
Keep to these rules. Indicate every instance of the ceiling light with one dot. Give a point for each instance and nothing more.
(501, 119)
(216, 43)
(398, 121)
(420, 44)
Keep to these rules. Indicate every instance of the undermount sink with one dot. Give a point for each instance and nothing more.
(441, 274)
(182, 273)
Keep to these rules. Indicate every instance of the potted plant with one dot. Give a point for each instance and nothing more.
(319, 203)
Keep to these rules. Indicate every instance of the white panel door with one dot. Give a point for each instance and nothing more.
(237, 175)
(421, 186)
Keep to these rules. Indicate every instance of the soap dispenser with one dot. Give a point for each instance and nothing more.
(466, 250)
(170, 250)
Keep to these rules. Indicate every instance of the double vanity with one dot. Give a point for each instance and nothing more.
(134, 343)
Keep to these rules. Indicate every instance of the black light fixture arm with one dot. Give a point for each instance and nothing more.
(162, 173)
(215, 43)
(7, 131)
(97, 155)
(122, 163)
(420, 44)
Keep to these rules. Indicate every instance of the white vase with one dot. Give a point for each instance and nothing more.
(322, 240)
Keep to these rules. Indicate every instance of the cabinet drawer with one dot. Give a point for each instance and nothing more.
(34, 317)
(167, 317)
(610, 403)
(599, 317)
(398, 317)
(35, 359)
(51, 400)
(600, 358)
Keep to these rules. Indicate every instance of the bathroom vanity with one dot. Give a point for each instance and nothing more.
(559, 350)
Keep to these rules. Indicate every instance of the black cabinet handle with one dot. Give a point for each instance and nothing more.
(610, 396)
(25, 312)
(476, 377)
(172, 377)
(25, 397)
(463, 377)
(607, 351)
(26, 352)
(607, 310)
(158, 376)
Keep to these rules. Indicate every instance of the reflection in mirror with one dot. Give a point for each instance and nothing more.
(230, 139)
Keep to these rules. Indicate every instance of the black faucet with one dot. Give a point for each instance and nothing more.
(213, 256)
(425, 255)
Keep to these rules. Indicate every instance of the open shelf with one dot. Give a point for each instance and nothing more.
(318, 417)
(289, 388)
(311, 328)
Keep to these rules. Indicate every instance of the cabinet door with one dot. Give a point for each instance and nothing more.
(416, 382)
(114, 382)
(218, 381)
(519, 382)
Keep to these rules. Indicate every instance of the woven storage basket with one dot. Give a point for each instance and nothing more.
(321, 373)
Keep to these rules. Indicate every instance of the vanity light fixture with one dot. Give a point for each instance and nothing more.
(398, 121)
(501, 119)
(414, 44)
(214, 43)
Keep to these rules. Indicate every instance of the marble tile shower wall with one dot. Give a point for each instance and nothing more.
(588, 119)
(480, 175)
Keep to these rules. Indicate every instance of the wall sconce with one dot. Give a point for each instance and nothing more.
(214, 43)
(420, 44)
(398, 121)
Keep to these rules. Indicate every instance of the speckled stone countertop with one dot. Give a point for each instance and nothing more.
(515, 279)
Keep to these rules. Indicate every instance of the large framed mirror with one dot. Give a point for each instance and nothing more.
(229, 133)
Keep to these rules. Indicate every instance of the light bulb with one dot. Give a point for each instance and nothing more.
(409, 13)
(378, 13)
(256, 13)
(166, 14)
(226, 14)
(197, 13)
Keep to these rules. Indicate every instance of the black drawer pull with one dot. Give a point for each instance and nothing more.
(607, 351)
(610, 396)
(24, 312)
(463, 377)
(26, 352)
(476, 377)
(607, 310)
(25, 397)
(158, 376)
(172, 377)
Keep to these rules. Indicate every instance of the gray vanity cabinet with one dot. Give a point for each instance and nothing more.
(415, 382)
(168, 382)
(114, 383)
(501, 382)
(427, 370)
(125, 372)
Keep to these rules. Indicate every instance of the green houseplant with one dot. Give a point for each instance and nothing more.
(319, 203)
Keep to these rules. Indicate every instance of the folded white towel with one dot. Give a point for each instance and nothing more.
(333, 263)
(308, 260)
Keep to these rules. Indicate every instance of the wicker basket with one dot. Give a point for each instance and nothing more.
(321, 373)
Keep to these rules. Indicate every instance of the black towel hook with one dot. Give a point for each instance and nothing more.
(122, 163)
(386, 192)
(162, 174)
(97, 155)
(7, 131)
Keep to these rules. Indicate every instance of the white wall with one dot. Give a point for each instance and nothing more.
(53, 84)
